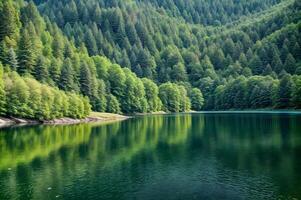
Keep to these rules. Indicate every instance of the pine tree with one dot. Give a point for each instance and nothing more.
(256, 65)
(290, 64)
(277, 64)
(41, 71)
(71, 14)
(285, 92)
(91, 43)
(26, 54)
(55, 71)
(58, 44)
(297, 93)
(178, 73)
(243, 60)
(268, 70)
(67, 76)
(85, 80)
(9, 20)
(12, 59)
(2, 93)
(100, 100)
(30, 14)
(229, 46)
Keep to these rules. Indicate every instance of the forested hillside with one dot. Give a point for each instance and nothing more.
(139, 56)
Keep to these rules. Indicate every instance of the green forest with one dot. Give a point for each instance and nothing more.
(70, 57)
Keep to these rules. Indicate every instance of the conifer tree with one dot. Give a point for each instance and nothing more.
(85, 80)
(9, 20)
(290, 64)
(67, 76)
(285, 92)
(12, 59)
(2, 93)
(26, 54)
(41, 70)
(256, 65)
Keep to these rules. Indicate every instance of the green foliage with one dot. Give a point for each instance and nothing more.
(30, 99)
(244, 93)
(151, 95)
(134, 98)
(9, 20)
(174, 97)
(101, 49)
(85, 80)
(297, 91)
(67, 76)
(290, 64)
(170, 97)
(185, 103)
(116, 78)
(284, 98)
(41, 72)
(99, 101)
(26, 53)
(197, 100)
(17, 94)
(2, 93)
(113, 105)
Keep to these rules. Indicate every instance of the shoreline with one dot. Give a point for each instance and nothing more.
(93, 118)
(105, 117)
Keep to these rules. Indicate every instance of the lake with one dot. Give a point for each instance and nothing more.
(226, 155)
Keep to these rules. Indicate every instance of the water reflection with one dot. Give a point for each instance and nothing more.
(229, 156)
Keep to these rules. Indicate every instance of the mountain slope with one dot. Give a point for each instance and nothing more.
(156, 39)
(36, 48)
(249, 59)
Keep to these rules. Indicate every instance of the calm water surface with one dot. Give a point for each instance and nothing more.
(188, 156)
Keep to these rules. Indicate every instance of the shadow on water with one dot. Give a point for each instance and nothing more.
(185, 156)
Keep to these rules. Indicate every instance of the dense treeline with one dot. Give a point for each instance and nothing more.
(259, 92)
(150, 38)
(145, 56)
(27, 98)
(214, 12)
(37, 49)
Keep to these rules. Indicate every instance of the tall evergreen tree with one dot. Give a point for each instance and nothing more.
(9, 20)
(256, 65)
(67, 76)
(290, 64)
(297, 92)
(41, 71)
(12, 59)
(2, 93)
(26, 53)
(55, 71)
(285, 92)
(85, 80)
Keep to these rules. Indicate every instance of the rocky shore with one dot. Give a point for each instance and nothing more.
(94, 117)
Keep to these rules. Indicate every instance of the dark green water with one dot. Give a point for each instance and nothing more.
(197, 156)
